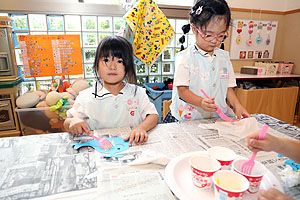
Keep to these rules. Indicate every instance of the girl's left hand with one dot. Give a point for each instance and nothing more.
(240, 112)
(137, 135)
(273, 194)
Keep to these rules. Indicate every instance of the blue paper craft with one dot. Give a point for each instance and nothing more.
(119, 145)
(293, 164)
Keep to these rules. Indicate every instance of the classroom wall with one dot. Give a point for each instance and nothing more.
(237, 64)
(287, 38)
(290, 42)
(275, 5)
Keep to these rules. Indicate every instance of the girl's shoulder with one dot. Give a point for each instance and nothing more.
(134, 89)
(221, 52)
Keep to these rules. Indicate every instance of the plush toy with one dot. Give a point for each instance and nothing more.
(71, 92)
(60, 85)
(31, 99)
(77, 86)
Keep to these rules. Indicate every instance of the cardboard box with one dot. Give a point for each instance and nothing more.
(276, 102)
(253, 70)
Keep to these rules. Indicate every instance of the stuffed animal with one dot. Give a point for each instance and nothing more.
(31, 99)
(60, 85)
(78, 85)
(71, 92)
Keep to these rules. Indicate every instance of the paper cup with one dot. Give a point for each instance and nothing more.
(256, 175)
(224, 155)
(229, 185)
(203, 167)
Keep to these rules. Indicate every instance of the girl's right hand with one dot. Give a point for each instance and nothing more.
(269, 143)
(78, 126)
(208, 104)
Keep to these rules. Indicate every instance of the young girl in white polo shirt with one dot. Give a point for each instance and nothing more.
(205, 66)
(113, 101)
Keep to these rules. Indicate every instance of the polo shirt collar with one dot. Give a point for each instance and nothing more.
(101, 92)
(203, 53)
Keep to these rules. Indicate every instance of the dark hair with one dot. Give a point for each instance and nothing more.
(205, 10)
(116, 46)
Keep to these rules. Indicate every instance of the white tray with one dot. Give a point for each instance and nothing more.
(178, 178)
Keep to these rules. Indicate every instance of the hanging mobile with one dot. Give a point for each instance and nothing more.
(250, 31)
(239, 29)
(269, 28)
(259, 28)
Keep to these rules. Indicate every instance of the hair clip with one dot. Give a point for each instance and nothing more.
(199, 10)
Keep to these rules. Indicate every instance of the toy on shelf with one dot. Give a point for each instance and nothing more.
(49, 108)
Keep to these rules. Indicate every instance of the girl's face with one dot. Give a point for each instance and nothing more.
(111, 70)
(215, 30)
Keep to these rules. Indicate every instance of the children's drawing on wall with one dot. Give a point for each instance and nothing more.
(252, 39)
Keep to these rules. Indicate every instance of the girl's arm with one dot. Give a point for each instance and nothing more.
(139, 134)
(187, 95)
(149, 122)
(287, 147)
(237, 106)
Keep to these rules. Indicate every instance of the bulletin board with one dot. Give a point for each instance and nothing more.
(51, 55)
(252, 39)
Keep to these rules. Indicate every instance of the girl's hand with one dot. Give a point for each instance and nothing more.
(240, 112)
(208, 104)
(78, 126)
(273, 194)
(137, 135)
(269, 143)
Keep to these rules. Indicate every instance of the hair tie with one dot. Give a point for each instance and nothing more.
(186, 28)
(199, 10)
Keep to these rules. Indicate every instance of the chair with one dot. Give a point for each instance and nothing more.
(166, 105)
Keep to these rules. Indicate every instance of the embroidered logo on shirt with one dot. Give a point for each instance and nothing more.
(132, 113)
(224, 73)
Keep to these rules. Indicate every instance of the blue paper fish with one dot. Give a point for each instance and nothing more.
(119, 145)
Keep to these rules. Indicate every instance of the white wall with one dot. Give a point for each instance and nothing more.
(274, 5)
(72, 6)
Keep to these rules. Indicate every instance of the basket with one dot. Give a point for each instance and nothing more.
(158, 96)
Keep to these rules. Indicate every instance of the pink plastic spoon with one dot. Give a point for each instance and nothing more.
(220, 112)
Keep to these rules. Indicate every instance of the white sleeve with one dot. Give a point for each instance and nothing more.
(231, 80)
(181, 75)
(77, 109)
(147, 107)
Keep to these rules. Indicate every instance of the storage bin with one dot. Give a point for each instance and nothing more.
(285, 68)
(271, 68)
(158, 96)
(41, 120)
(276, 102)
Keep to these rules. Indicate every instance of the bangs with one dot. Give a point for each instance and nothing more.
(112, 48)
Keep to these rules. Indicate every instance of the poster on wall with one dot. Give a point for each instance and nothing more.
(252, 39)
(51, 55)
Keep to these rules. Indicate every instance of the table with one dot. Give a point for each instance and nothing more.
(38, 166)
(240, 76)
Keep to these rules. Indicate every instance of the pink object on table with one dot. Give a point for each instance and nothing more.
(104, 143)
(220, 112)
(248, 165)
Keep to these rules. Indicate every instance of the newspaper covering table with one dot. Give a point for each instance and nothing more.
(43, 165)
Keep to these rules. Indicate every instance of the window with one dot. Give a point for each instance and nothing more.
(92, 30)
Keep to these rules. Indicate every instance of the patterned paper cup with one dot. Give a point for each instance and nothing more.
(224, 155)
(254, 178)
(229, 185)
(203, 167)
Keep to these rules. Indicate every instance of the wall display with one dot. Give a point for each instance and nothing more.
(252, 39)
(51, 55)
